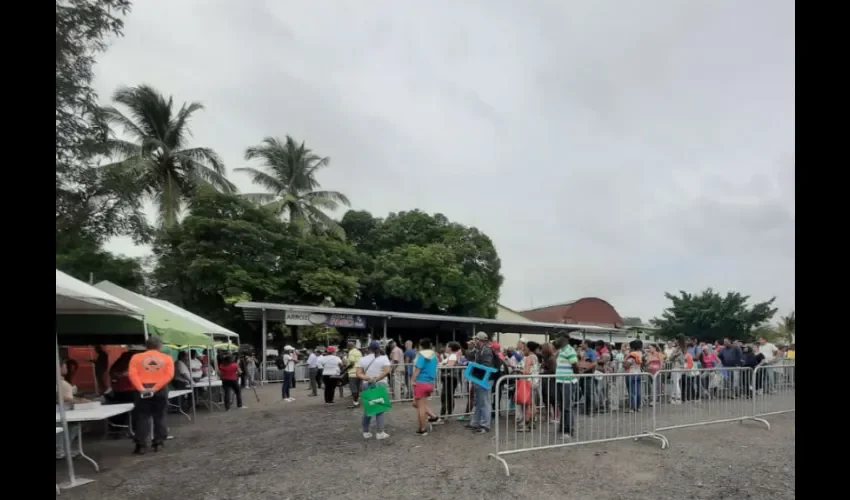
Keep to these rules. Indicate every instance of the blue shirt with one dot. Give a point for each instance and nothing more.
(409, 356)
(591, 354)
(517, 356)
(427, 368)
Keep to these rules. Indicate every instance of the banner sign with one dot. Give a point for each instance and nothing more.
(301, 318)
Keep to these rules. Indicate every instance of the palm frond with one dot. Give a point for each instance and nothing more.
(263, 179)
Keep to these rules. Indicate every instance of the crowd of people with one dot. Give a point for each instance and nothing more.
(415, 373)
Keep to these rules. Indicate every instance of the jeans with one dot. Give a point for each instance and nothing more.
(287, 384)
(312, 374)
(481, 408)
(566, 395)
(379, 422)
(147, 410)
(633, 383)
(354, 384)
(231, 386)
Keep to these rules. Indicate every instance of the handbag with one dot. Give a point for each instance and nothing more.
(522, 396)
(375, 400)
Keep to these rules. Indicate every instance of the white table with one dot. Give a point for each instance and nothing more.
(182, 392)
(208, 384)
(91, 415)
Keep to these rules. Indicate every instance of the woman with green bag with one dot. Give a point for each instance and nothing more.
(373, 370)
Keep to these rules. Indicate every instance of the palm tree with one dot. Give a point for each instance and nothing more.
(289, 176)
(156, 151)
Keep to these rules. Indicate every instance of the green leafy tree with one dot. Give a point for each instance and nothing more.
(788, 326)
(82, 30)
(89, 261)
(157, 154)
(293, 193)
(709, 316)
(226, 247)
(416, 262)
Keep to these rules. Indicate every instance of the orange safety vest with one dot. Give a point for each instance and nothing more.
(150, 370)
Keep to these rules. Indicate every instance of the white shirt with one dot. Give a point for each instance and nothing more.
(330, 365)
(312, 360)
(195, 367)
(451, 357)
(374, 367)
(288, 363)
(768, 350)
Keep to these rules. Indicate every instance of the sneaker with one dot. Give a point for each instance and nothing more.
(439, 421)
(471, 427)
(433, 419)
(291, 399)
(367, 435)
(462, 419)
(482, 430)
(242, 407)
(382, 435)
(422, 432)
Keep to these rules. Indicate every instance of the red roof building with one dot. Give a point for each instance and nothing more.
(586, 311)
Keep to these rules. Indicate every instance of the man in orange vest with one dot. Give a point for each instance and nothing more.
(150, 373)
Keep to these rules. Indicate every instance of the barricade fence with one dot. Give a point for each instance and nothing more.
(536, 412)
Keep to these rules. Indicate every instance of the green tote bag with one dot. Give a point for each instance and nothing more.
(375, 399)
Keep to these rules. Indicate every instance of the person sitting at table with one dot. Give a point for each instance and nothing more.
(182, 374)
(196, 368)
(66, 391)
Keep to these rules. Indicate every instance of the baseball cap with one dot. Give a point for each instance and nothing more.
(374, 345)
(482, 336)
(523, 340)
(287, 348)
(332, 349)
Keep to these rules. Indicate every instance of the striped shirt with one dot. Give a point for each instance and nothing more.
(566, 358)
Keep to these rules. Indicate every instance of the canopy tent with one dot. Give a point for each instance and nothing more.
(211, 328)
(172, 328)
(77, 298)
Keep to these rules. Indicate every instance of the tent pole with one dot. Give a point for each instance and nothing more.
(263, 354)
(145, 328)
(385, 331)
(73, 480)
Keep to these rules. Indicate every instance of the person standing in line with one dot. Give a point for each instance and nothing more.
(769, 351)
(450, 376)
(354, 383)
(320, 379)
(373, 369)
(485, 356)
(397, 359)
(331, 367)
(409, 358)
(566, 366)
(150, 372)
(423, 377)
(632, 365)
(677, 363)
(229, 372)
(312, 372)
(288, 374)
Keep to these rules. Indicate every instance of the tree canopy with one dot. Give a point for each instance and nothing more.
(709, 316)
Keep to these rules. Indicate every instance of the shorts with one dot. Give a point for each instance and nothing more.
(422, 390)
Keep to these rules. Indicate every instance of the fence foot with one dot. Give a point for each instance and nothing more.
(502, 461)
(765, 422)
(664, 442)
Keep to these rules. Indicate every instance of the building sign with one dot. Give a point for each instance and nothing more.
(302, 318)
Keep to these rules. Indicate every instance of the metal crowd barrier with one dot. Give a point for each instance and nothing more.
(599, 408)
(595, 408)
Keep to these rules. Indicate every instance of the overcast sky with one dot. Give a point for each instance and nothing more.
(611, 148)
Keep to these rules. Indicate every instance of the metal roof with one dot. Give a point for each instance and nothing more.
(277, 312)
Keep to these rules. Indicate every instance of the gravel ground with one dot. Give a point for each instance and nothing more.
(276, 450)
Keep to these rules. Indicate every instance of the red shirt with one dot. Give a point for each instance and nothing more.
(229, 371)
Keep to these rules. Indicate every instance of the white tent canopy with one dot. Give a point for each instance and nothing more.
(212, 328)
(75, 297)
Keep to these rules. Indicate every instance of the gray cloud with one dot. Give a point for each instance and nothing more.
(610, 148)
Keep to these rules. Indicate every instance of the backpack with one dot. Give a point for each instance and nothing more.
(279, 363)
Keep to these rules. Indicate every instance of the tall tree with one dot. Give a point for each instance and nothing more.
(82, 30)
(156, 152)
(417, 262)
(710, 316)
(292, 192)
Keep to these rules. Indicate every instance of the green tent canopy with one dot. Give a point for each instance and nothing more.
(170, 327)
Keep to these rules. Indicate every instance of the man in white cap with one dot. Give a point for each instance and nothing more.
(485, 356)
